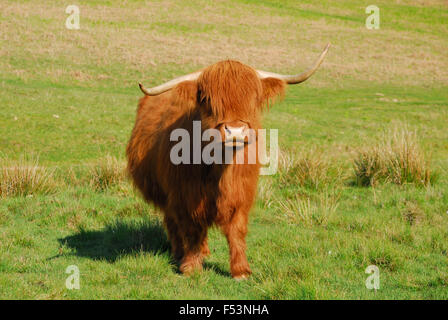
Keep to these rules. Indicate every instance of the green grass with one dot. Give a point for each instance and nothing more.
(68, 98)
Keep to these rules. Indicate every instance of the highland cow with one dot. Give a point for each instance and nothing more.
(230, 97)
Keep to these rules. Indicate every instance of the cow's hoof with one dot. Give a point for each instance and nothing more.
(241, 277)
(190, 265)
(240, 271)
(189, 270)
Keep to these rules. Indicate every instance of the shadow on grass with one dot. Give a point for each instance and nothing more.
(119, 239)
(216, 268)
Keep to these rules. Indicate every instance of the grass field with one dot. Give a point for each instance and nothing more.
(67, 106)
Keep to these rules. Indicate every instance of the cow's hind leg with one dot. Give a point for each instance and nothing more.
(235, 231)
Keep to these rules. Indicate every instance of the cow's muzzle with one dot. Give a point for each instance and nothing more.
(235, 134)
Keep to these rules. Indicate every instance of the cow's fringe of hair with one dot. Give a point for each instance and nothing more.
(273, 91)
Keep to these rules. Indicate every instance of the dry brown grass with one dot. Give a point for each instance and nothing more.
(146, 38)
(398, 158)
(412, 213)
(25, 177)
(299, 210)
(106, 173)
(308, 168)
(266, 192)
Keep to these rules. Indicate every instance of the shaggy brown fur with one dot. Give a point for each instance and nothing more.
(193, 197)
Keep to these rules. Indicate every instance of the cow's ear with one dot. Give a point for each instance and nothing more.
(185, 94)
(273, 89)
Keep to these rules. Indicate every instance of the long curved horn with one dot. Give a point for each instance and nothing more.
(296, 78)
(168, 85)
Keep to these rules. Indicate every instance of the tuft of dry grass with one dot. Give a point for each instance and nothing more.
(309, 169)
(266, 192)
(412, 213)
(300, 210)
(24, 177)
(398, 158)
(106, 173)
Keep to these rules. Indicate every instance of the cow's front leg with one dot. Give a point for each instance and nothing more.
(193, 240)
(175, 237)
(235, 231)
(205, 251)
